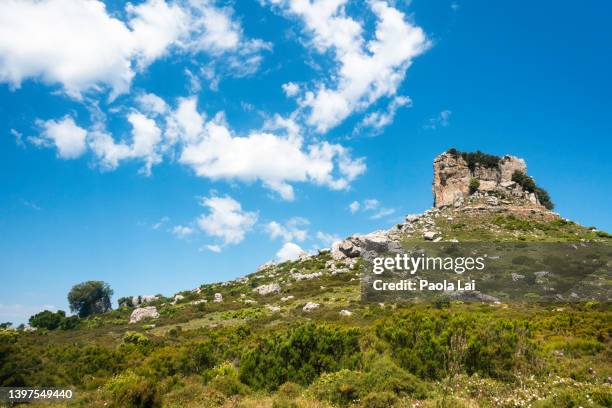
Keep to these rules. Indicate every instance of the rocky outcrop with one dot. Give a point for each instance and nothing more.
(453, 174)
(268, 289)
(149, 312)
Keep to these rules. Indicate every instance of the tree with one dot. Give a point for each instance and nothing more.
(6, 325)
(47, 319)
(474, 185)
(91, 297)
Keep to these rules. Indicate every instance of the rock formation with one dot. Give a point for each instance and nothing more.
(144, 313)
(453, 175)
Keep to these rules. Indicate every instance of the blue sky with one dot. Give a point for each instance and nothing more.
(165, 144)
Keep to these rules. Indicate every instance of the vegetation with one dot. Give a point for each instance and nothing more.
(47, 319)
(529, 185)
(477, 158)
(91, 297)
(474, 185)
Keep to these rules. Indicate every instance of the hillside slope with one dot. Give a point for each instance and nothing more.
(298, 334)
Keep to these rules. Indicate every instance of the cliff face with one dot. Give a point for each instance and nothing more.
(453, 174)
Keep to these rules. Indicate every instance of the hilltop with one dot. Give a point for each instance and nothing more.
(297, 334)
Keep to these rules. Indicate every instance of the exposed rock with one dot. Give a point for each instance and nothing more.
(349, 249)
(267, 289)
(285, 299)
(345, 312)
(218, 298)
(148, 312)
(199, 301)
(430, 235)
(265, 266)
(177, 298)
(140, 300)
(310, 306)
(306, 276)
(452, 176)
(273, 308)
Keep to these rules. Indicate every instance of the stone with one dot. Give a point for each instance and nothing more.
(273, 308)
(288, 298)
(267, 289)
(452, 176)
(349, 249)
(177, 298)
(265, 266)
(430, 235)
(306, 276)
(148, 312)
(218, 298)
(310, 306)
(345, 312)
(199, 301)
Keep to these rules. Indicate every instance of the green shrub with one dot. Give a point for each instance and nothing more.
(47, 319)
(136, 338)
(284, 403)
(70, 323)
(474, 185)
(289, 390)
(128, 390)
(380, 400)
(383, 375)
(225, 380)
(339, 388)
(300, 355)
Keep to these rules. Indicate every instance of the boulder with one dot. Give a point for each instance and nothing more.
(430, 235)
(218, 298)
(148, 312)
(345, 312)
(267, 289)
(310, 306)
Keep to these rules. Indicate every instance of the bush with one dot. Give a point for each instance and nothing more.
(385, 376)
(300, 355)
(69, 323)
(136, 338)
(380, 400)
(474, 185)
(339, 388)
(289, 390)
(47, 319)
(128, 390)
(425, 343)
(226, 381)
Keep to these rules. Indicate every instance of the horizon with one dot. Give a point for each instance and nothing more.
(215, 152)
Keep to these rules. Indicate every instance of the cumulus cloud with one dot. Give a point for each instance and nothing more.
(213, 248)
(80, 46)
(226, 219)
(212, 150)
(291, 88)
(68, 138)
(354, 207)
(289, 252)
(292, 230)
(367, 70)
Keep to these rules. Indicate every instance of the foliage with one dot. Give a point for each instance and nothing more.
(474, 185)
(47, 319)
(125, 301)
(529, 185)
(476, 158)
(6, 325)
(91, 297)
(380, 400)
(299, 355)
(128, 390)
(69, 323)
(136, 338)
(427, 343)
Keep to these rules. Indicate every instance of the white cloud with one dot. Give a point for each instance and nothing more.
(226, 220)
(442, 119)
(65, 135)
(79, 45)
(291, 88)
(152, 104)
(327, 239)
(367, 70)
(371, 206)
(289, 252)
(214, 152)
(292, 230)
(378, 120)
(213, 248)
(160, 223)
(182, 231)
(383, 212)
(146, 140)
